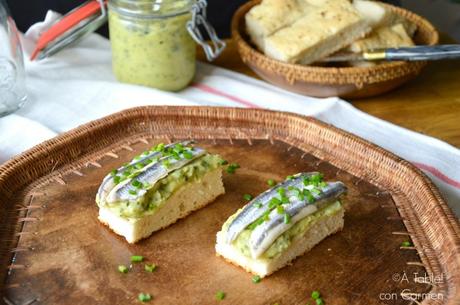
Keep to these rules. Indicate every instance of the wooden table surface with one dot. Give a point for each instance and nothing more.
(429, 104)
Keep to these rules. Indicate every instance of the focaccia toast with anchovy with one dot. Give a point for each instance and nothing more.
(282, 223)
(157, 188)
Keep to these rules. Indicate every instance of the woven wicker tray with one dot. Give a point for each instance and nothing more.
(54, 251)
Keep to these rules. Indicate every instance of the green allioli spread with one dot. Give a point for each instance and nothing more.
(165, 187)
(153, 48)
(284, 240)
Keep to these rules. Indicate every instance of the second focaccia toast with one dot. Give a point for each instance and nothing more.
(157, 188)
(282, 223)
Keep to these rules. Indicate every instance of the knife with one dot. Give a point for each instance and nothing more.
(416, 53)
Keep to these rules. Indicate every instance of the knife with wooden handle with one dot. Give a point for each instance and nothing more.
(416, 53)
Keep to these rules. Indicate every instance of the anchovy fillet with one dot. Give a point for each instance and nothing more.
(253, 211)
(108, 182)
(126, 191)
(263, 236)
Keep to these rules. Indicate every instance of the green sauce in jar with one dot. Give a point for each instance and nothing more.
(150, 43)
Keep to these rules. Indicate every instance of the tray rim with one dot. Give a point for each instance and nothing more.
(447, 251)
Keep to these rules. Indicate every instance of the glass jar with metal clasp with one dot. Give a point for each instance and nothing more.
(154, 41)
(12, 75)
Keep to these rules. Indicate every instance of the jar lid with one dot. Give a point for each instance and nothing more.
(78, 23)
(92, 14)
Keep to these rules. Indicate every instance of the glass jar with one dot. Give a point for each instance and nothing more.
(12, 75)
(153, 41)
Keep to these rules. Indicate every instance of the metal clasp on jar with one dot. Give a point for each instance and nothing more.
(199, 18)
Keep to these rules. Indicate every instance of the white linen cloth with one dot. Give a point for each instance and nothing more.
(77, 85)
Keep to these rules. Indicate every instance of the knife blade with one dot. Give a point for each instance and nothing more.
(416, 53)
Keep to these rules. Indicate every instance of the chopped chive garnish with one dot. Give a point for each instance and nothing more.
(319, 301)
(220, 295)
(136, 183)
(258, 205)
(280, 209)
(296, 191)
(187, 155)
(139, 165)
(315, 191)
(315, 295)
(256, 279)
(132, 192)
(150, 268)
(232, 168)
(316, 179)
(126, 173)
(144, 297)
(137, 258)
(116, 179)
(290, 177)
(284, 199)
(273, 202)
(406, 244)
(122, 269)
(301, 196)
(160, 147)
(310, 197)
(114, 172)
(271, 182)
(281, 191)
(287, 218)
(176, 155)
(266, 216)
(223, 162)
(247, 197)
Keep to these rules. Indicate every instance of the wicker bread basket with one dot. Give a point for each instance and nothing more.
(351, 82)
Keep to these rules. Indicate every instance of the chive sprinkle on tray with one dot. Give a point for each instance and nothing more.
(150, 268)
(220, 295)
(123, 269)
(137, 258)
(144, 297)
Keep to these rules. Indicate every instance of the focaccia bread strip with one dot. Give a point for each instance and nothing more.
(382, 38)
(321, 32)
(269, 16)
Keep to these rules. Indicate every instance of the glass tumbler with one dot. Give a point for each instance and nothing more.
(12, 75)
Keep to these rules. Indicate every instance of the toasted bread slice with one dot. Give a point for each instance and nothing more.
(395, 19)
(379, 16)
(321, 32)
(384, 37)
(270, 16)
(190, 197)
(262, 267)
(372, 11)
